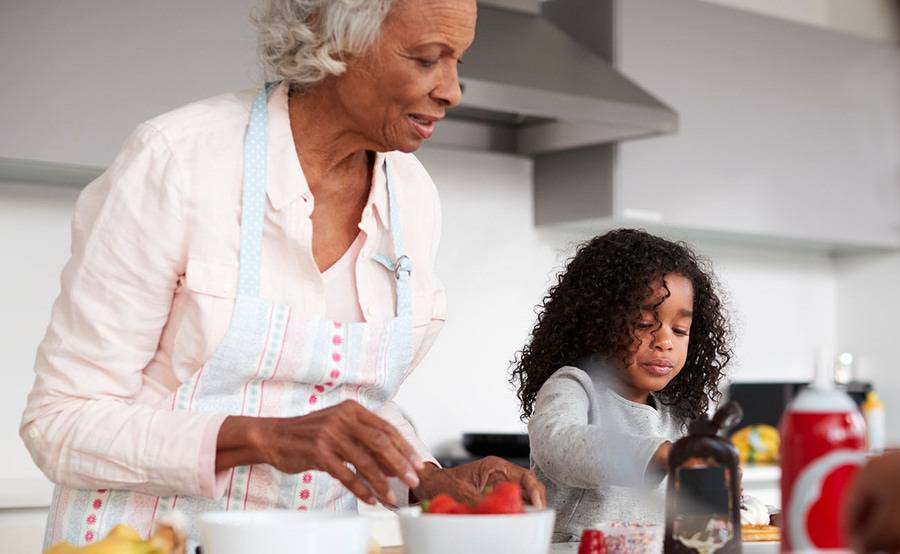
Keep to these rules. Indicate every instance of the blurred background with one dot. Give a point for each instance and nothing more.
(764, 132)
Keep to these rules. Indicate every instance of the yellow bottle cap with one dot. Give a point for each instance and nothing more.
(872, 402)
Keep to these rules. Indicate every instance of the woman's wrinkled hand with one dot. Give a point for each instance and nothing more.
(872, 510)
(468, 482)
(325, 440)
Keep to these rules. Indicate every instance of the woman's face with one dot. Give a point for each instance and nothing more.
(397, 92)
(659, 350)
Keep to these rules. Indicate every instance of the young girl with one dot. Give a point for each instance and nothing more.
(629, 346)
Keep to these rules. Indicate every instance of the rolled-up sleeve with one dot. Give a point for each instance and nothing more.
(83, 423)
(392, 413)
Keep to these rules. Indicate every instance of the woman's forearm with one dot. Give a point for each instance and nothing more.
(240, 442)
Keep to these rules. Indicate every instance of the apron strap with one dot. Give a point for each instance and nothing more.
(253, 209)
(402, 266)
(253, 202)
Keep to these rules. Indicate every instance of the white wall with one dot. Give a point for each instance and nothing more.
(868, 304)
(34, 243)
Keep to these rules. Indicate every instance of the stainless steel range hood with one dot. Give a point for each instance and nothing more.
(538, 83)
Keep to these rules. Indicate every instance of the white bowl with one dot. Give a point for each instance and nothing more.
(283, 531)
(527, 533)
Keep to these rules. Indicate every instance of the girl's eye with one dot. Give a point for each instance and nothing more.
(645, 326)
(682, 332)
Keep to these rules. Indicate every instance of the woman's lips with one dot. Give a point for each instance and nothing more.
(424, 125)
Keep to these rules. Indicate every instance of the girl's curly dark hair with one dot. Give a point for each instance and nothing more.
(594, 308)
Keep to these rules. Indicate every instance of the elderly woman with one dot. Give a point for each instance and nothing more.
(252, 280)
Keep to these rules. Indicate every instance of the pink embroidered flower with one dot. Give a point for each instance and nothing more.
(101, 491)
(91, 519)
(89, 536)
(336, 340)
(97, 504)
(304, 494)
(320, 388)
(313, 399)
(337, 324)
(335, 374)
(329, 384)
(307, 477)
(302, 508)
(336, 356)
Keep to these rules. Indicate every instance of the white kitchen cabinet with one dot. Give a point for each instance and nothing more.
(79, 76)
(787, 133)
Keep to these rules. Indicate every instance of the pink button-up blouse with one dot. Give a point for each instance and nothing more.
(148, 293)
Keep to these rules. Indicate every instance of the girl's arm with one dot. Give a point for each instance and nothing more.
(573, 448)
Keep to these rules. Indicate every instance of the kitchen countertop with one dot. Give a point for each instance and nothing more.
(562, 548)
(559, 548)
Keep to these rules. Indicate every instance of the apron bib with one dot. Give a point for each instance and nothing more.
(272, 362)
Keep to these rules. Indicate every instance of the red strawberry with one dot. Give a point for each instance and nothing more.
(446, 504)
(505, 498)
(592, 542)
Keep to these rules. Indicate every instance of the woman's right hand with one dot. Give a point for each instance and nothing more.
(324, 440)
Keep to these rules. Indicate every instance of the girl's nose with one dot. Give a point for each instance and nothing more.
(663, 344)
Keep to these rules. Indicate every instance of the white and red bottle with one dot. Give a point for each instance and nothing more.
(823, 444)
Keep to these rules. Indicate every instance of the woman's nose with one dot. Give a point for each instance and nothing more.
(449, 90)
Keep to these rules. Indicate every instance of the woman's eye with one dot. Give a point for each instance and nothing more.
(424, 62)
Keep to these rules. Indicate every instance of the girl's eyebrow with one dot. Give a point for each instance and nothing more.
(684, 312)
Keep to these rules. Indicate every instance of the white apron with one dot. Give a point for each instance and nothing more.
(272, 363)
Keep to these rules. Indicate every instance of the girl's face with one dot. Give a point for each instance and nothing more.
(659, 350)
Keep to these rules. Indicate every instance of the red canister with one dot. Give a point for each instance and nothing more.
(823, 441)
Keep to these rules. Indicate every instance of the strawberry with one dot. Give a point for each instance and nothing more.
(445, 504)
(505, 498)
(592, 542)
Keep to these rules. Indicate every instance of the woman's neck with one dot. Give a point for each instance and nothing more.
(325, 139)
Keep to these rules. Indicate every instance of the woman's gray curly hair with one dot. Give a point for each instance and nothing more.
(304, 41)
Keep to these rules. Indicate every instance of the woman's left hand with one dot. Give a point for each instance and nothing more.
(467, 482)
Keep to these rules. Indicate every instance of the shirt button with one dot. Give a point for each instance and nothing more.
(33, 433)
(369, 311)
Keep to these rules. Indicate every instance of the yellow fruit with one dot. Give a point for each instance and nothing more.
(758, 444)
(62, 548)
(117, 545)
(124, 532)
(121, 539)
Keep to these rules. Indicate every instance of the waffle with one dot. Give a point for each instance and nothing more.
(760, 533)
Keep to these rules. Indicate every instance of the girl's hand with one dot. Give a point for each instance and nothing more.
(325, 440)
(467, 482)
(872, 515)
